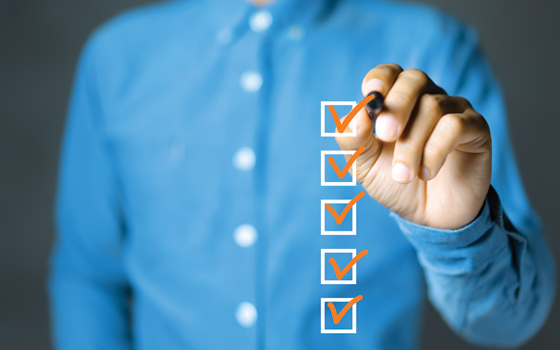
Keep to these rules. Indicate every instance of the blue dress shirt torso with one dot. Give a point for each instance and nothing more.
(189, 196)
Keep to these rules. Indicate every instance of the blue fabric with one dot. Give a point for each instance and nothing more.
(149, 197)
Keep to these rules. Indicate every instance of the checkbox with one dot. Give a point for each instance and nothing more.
(328, 125)
(328, 225)
(329, 176)
(346, 325)
(342, 257)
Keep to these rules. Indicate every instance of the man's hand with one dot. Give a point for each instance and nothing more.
(431, 161)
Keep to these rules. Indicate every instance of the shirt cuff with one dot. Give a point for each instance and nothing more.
(425, 237)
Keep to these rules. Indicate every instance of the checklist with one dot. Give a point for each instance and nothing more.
(333, 259)
(337, 320)
(339, 171)
(336, 218)
(330, 270)
(339, 217)
(330, 226)
(330, 125)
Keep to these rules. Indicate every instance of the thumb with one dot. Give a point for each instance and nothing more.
(364, 137)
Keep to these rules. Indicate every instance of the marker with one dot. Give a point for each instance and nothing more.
(374, 106)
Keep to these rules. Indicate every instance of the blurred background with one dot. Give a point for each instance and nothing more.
(39, 46)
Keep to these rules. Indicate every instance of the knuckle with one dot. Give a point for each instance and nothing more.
(397, 98)
(483, 123)
(391, 67)
(433, 103)
(417, 74)
(478, 121)
(454, 123)
(463, 103)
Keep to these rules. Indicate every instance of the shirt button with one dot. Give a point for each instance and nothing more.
(295, 32)
(244, 159)
(260, 20)
(245, 235)
(246, 314)
(251, 81)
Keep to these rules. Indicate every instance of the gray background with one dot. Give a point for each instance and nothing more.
(39, 45)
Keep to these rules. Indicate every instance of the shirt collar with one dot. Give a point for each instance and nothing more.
(302, 12)
(229, 14)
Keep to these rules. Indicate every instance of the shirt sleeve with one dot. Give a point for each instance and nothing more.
(493, 281)
(88, 291)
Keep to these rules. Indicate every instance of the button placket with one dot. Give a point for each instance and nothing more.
(251, 81)
(244, 159)
(260, 20)
(245, 235)
(246, 314)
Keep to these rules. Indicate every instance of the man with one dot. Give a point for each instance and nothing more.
(189, 196)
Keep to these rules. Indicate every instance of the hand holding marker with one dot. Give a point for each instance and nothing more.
(430, 158)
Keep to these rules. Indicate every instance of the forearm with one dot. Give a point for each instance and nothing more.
(485, 279)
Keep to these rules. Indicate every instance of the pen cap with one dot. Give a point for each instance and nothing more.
(374, 106)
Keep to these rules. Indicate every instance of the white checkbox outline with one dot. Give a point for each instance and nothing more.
(324, 302)
(336, 183)
(324, 106)
(323, 266)
(354, 209)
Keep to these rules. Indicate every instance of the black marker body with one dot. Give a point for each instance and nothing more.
(374, 106)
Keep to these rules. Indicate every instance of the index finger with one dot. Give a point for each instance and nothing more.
(381, 78)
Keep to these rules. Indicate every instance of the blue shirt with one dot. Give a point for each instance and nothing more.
(189, 203)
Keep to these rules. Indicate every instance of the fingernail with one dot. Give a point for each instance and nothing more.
(425, 173)
(387, 127)
(373, 85)
(401, 172)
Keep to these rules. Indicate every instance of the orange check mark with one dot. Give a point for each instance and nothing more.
(341, 126)
(342, 173)
(340, 218)
(340, 274)
(337, 317)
